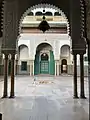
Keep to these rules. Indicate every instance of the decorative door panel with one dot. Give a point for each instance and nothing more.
(44, 67)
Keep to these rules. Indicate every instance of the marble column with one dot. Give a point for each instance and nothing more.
(0, 116)
(57, 68)
(30, 69)
(16, 67)
(89, 65)
(33, 68)
(5, 92)
(12, 76)
(75, 75)
(82, 94)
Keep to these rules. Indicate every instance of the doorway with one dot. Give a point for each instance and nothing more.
(44, 64)
(44, 60)
(64, 66)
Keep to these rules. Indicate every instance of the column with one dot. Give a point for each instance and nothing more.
(12, 76)
(60, 69)
(57, 68)
(89, 65)
(82, 95)
(0, 116)
(16, 67)
(0, 64)
(33, 68)
(75, 76)
(5, 92)
(30, 69)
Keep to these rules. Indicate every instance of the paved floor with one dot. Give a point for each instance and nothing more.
(49, 98)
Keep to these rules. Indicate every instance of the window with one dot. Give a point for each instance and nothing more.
(48, 14)
(38, 13)
(30, 14)
(44, 57)
(24, 66)
(57, 14)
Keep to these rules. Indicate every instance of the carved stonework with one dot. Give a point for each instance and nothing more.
(77, 27)
(42, 6)
(88, 19)
(10, 25)
(14, 7)
(0, 44)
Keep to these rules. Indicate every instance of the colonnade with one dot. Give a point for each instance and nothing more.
(5, 91)
(75, 94)
(82, 92)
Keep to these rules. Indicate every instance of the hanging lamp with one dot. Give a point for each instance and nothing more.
(44, 26)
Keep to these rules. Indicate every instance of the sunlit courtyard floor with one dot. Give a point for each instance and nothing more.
(49, 98)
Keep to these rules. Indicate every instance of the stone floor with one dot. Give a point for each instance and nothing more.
(49, 98)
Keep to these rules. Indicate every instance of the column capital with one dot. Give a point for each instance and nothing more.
(74, 53)
(12, 56)
(6, 56)
(5, 52)
(81, 54)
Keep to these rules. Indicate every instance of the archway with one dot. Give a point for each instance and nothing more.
(24, 7)
(44, 57)
(64, 66)
(44, 60)
(66, 60)
(33, 22)
(44, 64)
(23, 59)
(48, 8)
(58, 19)
(50, 18)
(75, 29)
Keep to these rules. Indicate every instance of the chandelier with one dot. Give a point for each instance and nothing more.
(43, 26)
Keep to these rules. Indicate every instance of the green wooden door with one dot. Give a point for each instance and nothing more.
(44, 67)
(52, 63)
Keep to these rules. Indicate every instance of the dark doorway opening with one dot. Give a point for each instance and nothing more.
(64, 66)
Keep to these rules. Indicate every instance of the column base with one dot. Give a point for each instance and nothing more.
(83, 97)
(75, 97)
(12, 97)
(4, 96)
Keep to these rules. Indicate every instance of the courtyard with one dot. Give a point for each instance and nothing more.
(48, 98)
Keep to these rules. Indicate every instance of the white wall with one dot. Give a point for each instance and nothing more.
(65, 50)
(33, 40)
(24, 53)
(55, 40)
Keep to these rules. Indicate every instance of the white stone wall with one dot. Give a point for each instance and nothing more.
(57, 41)
(33, 40)
(24, 53)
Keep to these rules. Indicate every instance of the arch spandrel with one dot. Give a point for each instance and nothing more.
(88, 18)
(77, 27)
(64, 5)
(78, 44)
(10, 26)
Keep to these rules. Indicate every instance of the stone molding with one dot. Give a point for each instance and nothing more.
(9, 25)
